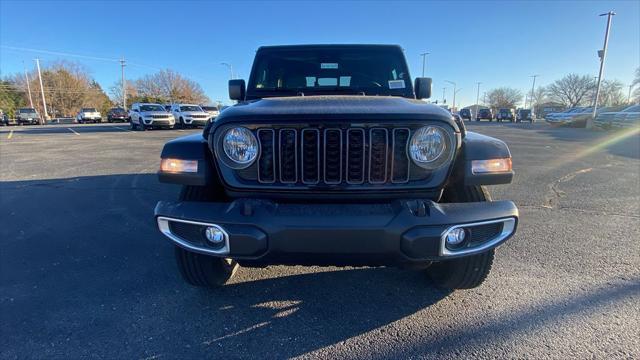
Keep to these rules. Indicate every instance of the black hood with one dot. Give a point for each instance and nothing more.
(341, 107)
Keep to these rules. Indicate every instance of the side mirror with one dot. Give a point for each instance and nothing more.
(422, 88)
(236, 89)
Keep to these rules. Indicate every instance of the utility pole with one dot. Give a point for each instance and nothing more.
(44, 102)
(603, 55)
(454, 93)
(484, 100)
(533, 87)
(124, 86)
(26, 76)
(424, 60)
(477, 99)
(230, 66)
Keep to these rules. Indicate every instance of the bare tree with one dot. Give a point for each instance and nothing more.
(573, 90)
(540, 96)
(504, 97)
(611, 93)
(116, 92)
(169, 86)
(636, 84)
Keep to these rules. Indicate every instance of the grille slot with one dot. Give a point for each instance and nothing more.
(400, 160)
(331, 156)
(378, 139)
(267, 163)
(310, 156)
(355, 156)
(288, 156)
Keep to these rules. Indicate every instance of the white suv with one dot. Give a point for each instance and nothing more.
(189, 115)
(146, 115)
(213, 110)
(88, 115)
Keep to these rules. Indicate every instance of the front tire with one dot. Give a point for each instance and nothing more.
(203, 270)
(470, 271)
(198, 269)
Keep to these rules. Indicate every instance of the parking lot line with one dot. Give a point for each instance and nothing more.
(73, 131)
(123, 129)
(10, 135)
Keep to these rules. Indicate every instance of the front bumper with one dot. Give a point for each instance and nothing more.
(402, 232)
(196, 122)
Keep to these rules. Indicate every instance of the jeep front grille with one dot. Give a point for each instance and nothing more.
(333, 155)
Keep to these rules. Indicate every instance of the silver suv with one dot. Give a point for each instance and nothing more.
(146, 115)
(189, 115)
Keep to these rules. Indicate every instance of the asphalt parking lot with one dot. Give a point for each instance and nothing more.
(84, 273)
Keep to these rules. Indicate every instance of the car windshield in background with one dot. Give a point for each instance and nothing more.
(350, 70)
(190, 108)
(89, 110)
(151, 108)
(27, 111)
(209, 108)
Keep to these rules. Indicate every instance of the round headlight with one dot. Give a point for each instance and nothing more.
(240, 145)
(427, 145)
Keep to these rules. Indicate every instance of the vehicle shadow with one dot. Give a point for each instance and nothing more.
(83, 258)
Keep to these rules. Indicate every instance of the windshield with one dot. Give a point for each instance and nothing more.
(190, 108)
(151, 107)
(635, 108)
(89, 109)
(117, 110)
(209, 108)
(27, 111)
(373, 71)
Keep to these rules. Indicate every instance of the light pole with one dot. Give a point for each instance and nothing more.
(124, 86)
(628, 96)
(603, 55)
(230, 69)
(444, 91)
(454, 93)
(44, 102)
(478, 99)
(533, 87)
(424, 61)
(26, 76)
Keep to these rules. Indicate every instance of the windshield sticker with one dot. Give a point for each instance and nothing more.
(396, 84)
(328, 65)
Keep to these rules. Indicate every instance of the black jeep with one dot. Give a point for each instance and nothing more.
(331, 158)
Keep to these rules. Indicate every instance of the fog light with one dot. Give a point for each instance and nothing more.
(214, 235)
(456, 236)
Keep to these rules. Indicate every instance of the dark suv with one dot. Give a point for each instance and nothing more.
(465, 114)
(117, 114)
(331, 158)
(505, 114)
(484, 114)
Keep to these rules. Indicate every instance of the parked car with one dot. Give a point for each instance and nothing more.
(189, 115)
(524, 115)
(27, 116)
(212, 110)
(484, 114)
(554, 117)
(625, 118)
(4, 119)
(144, 116)
(505, 114)
(117, 115)
(465, 114)
(277, 180)
(86, 115)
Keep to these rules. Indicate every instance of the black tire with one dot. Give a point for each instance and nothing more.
(198, 269)
(470, 271)
(132, 126)
(142, 126)
(181, 121)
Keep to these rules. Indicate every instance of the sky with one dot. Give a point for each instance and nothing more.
(498, 43)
